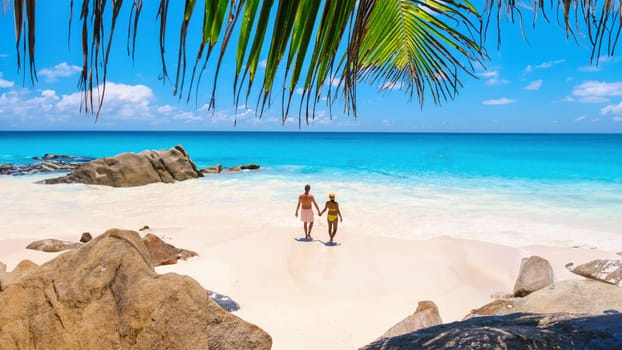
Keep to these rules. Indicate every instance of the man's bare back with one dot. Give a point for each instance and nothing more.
(306, 200)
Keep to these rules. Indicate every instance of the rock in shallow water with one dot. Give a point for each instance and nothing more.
(134, 169)
(39, 167)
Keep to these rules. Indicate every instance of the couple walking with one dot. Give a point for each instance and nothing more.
(306, 214)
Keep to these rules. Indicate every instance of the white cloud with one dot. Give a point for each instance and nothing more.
(549, 64)
(599, 63)
(580, 118)
(120, 102)
(617, 119)
(60, 70)
(493, 78)
(165, 109)
(18, 104)
(612, 109)
(597, 91)
(534, 85)
(263, 64)
(5, 83)
(598, 88)
(589, 69)
(187, 116)
(489, 74)
(125, 106)
(528, 69)
(499, 101)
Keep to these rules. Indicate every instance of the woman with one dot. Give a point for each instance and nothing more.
(333, 214)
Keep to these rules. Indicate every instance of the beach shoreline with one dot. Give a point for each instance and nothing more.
(306, 295)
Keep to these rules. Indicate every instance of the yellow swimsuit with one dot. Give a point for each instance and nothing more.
(332, 217)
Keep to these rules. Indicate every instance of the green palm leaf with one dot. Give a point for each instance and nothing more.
(422, 47)
(418, 46)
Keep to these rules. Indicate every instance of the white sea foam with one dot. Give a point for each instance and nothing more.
(512, 214)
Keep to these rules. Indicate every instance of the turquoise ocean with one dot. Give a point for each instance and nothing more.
(528, 185)
(383, 157)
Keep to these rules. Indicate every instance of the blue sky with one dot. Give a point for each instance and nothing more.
(542, 84)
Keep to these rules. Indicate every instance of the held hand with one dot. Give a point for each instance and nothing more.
(296, 215)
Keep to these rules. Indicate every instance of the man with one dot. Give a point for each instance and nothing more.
(306, 215)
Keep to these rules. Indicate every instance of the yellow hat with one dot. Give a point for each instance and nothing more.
(331, 195)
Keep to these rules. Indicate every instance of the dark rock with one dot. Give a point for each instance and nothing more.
(515, 331)
(86, 236)
(146, 227)
(250, 167)
(134, 169)
(38, 167)
(244, 167)
(608, 271)
(52, 245)
(48, 156)
(223, 301)
(163, 253)
(106, 295)
(535, 273)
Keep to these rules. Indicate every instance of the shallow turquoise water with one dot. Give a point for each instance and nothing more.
(558, 189)
(381, 157)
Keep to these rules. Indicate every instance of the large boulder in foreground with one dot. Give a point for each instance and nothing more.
(106, 295)
(516, 332)
(134, 169)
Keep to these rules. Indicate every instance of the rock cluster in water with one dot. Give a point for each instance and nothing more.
(46, 163)
(123, 170)
(134, 169)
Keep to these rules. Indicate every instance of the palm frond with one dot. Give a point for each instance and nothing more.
(601, 20)
(423, 47)
(26, 24)
(419, 46)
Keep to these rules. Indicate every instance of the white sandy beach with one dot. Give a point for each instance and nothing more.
(304, 294)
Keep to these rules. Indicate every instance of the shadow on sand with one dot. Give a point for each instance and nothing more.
(327, 244)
